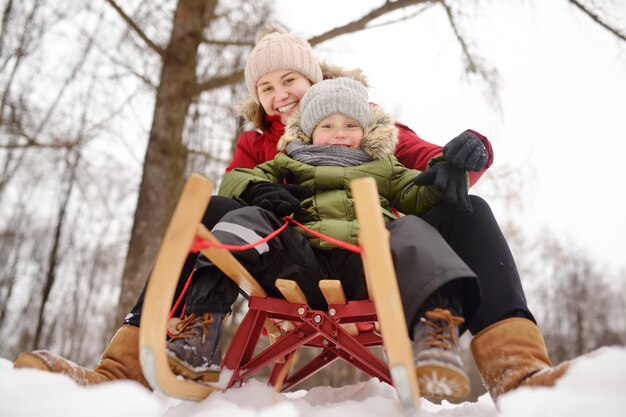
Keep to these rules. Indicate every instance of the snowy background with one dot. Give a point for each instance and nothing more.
(595, 386)
(559, 120)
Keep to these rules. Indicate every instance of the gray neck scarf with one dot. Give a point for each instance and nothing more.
(327, 155)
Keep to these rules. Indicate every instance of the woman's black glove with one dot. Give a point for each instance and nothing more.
(280, 199)
(451, 181)
(467, 152)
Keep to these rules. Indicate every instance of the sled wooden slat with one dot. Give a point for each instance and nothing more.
(334, 295)
(383, 287)
(160, 292)
(333, 291)
(272, 330)
(225, 261)
(291, 291)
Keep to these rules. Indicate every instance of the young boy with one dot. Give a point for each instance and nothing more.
(337, 138)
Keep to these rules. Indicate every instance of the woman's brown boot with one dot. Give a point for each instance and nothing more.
(512, 353)
(120, 361)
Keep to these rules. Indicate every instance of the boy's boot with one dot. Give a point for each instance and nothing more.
(512, 353)
(194, 349)
(120, 361)
(438, 364)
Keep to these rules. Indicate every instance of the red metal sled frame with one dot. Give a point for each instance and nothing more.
(313, 328)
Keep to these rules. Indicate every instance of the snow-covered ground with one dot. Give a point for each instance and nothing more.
(595, 386)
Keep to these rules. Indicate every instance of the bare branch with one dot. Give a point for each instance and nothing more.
(351, 27)
(218, 42)
(218, 82)
(473, 63)
(401, 19)
(599, 20)
(5, 21)
(360, 24)
(32, 143)
(156, 48)
(111, 55)
(63, 88)
(20, 53)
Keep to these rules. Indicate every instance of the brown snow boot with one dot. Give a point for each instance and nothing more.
(194, 349)
(512, 353)
(120, 361)
(438, 365)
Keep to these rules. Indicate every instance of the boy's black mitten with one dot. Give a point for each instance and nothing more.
(467, 152)
(451, 181)
(280, 199)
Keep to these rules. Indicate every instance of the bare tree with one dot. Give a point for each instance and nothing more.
(53, 257)
(582, 309)
(48, 121)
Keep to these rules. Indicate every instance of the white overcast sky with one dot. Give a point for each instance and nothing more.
(562, 94)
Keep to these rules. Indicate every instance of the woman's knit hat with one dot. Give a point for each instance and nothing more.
(341, 95)
(276, 49)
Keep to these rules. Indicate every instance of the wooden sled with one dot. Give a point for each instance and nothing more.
(345, 331)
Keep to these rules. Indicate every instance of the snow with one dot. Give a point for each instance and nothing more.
(594, 386)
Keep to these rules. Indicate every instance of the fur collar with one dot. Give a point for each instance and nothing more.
(379, 138)
(250, 109)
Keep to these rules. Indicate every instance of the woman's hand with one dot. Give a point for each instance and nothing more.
(467, 152)
(451, 181)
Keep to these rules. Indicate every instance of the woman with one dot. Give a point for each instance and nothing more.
(280, 69)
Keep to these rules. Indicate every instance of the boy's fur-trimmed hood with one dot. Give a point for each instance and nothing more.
(380, 137)
(250, 109)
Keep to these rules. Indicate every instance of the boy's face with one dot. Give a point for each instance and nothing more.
(280, 92)
(338, 130)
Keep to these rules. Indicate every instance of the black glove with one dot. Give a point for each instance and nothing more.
(280, 199)
(467, 152)
(450, 181)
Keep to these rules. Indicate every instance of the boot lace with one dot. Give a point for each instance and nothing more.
(192, 325)
(442, 332)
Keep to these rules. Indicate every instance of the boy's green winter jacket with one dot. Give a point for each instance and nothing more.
(330, 210)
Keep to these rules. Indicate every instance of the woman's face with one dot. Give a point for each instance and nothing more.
(280, 92)
(338, 130)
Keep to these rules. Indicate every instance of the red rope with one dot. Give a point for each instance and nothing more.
(178, 301)
(199, 244)
(340, 243)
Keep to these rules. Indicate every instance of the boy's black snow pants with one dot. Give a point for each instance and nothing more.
(423, 263)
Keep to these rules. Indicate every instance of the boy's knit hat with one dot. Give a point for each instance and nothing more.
(341, 95)
(276, 49)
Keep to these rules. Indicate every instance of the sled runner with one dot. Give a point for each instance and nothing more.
(345, 331)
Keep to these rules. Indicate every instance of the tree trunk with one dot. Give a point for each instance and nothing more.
(54, 257)
(166, 155)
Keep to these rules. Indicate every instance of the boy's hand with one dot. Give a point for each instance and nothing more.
(467, 152)
(451, 181)
(280, 199)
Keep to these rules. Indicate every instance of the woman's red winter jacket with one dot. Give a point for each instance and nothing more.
(254, 148)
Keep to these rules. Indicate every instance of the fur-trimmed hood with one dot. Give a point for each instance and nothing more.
(250, 110)
(380, 137)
